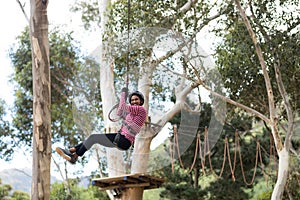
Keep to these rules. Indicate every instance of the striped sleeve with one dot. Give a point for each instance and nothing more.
(135, 117)
(122, 106)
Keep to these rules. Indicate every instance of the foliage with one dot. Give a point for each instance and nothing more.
(178, 185)
(5, 131)
(89, 13)
(153, 194)
(4, 190)
(162, 16)
(238, 63)
(214, 185)
(20, 195)
(265, 195)
(236, 52)
(293, 182)
(5, 193)
(68, 80)
(60, 192)
(275, 25)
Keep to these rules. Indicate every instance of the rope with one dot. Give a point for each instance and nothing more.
(227, 152)
(229, 160)
(256, 161)
(235, 149)
(171, 149)
(127, 62)
(177, 145)
(224, 157)
(204, 149)
(128, 41)
(208, 147)
(261, 163)
(206, 152)
(196, 152)
(201, 157)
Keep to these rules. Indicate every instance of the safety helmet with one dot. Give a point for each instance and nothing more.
(139, 94)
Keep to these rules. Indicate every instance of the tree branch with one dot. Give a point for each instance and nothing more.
(186, 42)
(273, 118)
(187, 6)
(22, 8)
(244, 107)
(287, 105)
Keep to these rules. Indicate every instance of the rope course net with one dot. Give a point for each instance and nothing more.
(202, 154)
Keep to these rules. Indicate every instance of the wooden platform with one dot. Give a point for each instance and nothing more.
(128, 181)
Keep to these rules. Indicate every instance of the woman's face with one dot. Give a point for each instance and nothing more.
(135, 100)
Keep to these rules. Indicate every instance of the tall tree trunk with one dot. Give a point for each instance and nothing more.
(41, 101)
(140, 159)
(283, 168)
(115, 162)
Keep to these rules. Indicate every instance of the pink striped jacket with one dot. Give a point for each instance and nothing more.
(134, 118)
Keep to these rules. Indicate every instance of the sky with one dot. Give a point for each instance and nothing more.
(12, 22)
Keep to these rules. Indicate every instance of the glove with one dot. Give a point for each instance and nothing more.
(125, 89)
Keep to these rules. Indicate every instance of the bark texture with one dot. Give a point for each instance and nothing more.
(41, 101)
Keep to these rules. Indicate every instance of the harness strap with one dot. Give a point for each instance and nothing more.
(129, 128)
(117, 139)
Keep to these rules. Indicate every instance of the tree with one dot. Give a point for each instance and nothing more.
(6, 193)
(41, 153)
(189, 18)
(270, 52)
(4, 190)
(208, 175)
(20, 195)
(65, 83)
(64, 70)
(69, 79)
(6, 148)
(142, 55)
(58, 191)
(179, 185)
(236, 51)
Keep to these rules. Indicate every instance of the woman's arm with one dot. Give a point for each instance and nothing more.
(122, 105)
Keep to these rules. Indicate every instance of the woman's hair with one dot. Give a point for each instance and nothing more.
(139, 94)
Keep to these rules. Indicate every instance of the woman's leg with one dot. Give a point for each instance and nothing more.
(121, 142)
(106, 140)
(102, 139)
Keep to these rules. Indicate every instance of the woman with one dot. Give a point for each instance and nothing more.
(134, 116)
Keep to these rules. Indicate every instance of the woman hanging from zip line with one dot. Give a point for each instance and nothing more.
(133, 118)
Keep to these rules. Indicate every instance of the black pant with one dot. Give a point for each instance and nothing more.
(107, 140)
